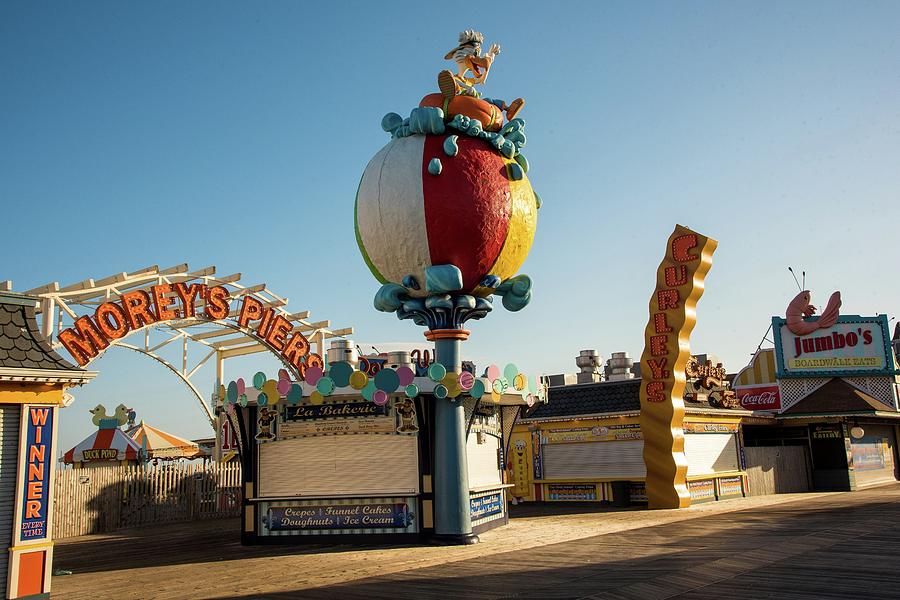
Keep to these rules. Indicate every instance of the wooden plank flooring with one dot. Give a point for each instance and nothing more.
(842, 545)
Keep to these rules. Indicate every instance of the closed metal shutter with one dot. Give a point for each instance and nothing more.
(339, 465)
(9, 461)
(482, 460)
(873, 456)
(594, 460)
(709, 453)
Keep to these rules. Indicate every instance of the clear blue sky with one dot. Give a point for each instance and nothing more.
(234, 134)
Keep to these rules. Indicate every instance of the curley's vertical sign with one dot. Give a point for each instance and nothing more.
(679, 284)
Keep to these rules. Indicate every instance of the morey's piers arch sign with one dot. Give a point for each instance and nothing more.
(201, 311)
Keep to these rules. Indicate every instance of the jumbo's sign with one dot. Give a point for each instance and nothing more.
(854, 345)
(92, 334)
(679, 284)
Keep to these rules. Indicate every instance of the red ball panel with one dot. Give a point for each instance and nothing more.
(467, 206)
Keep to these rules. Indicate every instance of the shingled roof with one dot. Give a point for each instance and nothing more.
(590, 398)
(23, 350)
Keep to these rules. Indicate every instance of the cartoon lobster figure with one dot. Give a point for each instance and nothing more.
(800, 307)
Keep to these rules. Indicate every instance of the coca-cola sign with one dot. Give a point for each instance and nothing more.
(760, 397)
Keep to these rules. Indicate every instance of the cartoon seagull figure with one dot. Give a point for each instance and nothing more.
(472, 69)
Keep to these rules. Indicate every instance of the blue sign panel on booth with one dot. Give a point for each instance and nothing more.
(38, 454)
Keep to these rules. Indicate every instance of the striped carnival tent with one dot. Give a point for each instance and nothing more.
(158, 444)
(103, 446)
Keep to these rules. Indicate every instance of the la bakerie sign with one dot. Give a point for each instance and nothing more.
(92, 334)
(853, 344)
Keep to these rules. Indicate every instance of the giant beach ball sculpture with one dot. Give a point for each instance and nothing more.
(447, 208)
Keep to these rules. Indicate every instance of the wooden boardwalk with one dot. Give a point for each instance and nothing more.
(841, 545)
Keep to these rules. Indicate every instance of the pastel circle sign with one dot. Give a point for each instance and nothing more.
(387, 380)
(436, 371)
(454, 390)
(440, 391)
(406, 375)
(412, 390)
(495, 396)
(223, 394)
(241, 386)
(499, 385)
(243, 400)
(492, 372)
(295, 394)
(380, 397)
(262, 399)
(368, 391)
(270, 389)
(450, 379)
(358, 380)
(520, 382)
(283, 386)
(532, 384)
(340, 373)
(477, 390)
(316, 397)
(466, 381)
(232, 394)
(283, 374)
(313, 375)
(325, 385)
(510, 371)
(259, 380)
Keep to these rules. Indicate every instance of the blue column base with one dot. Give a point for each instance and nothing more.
(466, 539)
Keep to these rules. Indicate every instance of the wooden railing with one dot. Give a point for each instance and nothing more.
(102, 499)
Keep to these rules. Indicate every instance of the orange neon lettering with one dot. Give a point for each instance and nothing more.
(112, 320)
(658, 367)
(676, 276)
(189, 295)
(278, 333)
(162, 300)
(262, 329)
(658, 345)
(217, 302)
(84, 341)
(137, 309)
(667, 299)
(660, 323)
(251, 309)
(681, 246)
(297, 347)
(655, 391)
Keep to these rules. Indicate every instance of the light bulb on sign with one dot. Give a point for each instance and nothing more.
(857, 432)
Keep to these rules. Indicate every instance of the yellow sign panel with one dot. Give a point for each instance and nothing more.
(679, 284)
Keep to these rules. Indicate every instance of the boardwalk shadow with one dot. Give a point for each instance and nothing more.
(830, 547)
(785, 551)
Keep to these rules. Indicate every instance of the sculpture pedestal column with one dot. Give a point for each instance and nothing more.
(452, 519)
